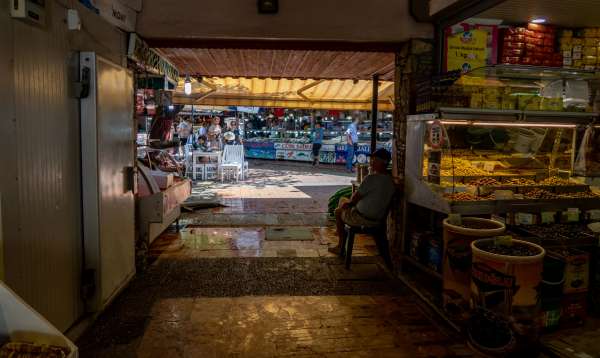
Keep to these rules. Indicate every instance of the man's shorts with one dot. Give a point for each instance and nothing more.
(352, 217)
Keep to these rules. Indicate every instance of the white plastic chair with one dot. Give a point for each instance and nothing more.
(188, 160)
(231, 164)
(198, 168)
(238, 156)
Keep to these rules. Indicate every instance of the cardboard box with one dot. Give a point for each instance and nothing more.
(577, 269)
(163, 180)
(573, 310)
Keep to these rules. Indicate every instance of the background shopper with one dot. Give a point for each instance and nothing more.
(351, 143)
(317, 135)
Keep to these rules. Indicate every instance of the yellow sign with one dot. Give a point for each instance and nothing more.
(466, 50)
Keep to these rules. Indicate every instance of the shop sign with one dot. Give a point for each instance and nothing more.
(141, 53)
(113, 11)
(327, 157)
(294, 155)
(466, 50)
(258, 153)
(293, 146)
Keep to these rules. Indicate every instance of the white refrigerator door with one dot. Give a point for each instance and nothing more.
(107, 145)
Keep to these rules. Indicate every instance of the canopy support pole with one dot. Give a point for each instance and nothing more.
(374, 103)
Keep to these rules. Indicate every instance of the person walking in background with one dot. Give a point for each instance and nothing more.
(351, 144)
(317, 139)
(184, 130)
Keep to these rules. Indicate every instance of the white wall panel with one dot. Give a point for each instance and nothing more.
(40, 157)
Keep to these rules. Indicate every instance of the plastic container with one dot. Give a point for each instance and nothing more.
(507, 286)
(457, 261)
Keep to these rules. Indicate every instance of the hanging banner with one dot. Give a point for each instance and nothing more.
(466, 50)
(253, 110)
(141, 53)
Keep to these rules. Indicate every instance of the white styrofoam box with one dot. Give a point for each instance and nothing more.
(23, 324)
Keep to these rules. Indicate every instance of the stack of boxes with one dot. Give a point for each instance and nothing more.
(565, 287)
(581, 51)
(533, 45)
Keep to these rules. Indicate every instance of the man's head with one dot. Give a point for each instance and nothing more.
(380, 160)
(318, 124)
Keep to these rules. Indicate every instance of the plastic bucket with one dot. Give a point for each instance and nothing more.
(507, 287)
(457, 261)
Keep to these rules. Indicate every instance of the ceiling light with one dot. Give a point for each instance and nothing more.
(538, 20)
(187, 86)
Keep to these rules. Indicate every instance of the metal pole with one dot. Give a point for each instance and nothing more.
(375, 99)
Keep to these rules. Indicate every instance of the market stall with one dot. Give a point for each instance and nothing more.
(295, 144)
(502, 187)
(271, 131)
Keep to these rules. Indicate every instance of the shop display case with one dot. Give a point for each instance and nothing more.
(296, 145)
(496, 163)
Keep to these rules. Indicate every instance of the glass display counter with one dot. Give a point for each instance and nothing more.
(281, 144)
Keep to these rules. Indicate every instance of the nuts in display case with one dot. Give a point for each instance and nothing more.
(461, 197)
(519, 181)
(555, 181)
(540, 194)
(484, 182)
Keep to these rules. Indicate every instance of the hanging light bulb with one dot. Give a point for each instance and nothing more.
(187, 86)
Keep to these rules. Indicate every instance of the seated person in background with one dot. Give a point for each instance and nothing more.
(369, 204)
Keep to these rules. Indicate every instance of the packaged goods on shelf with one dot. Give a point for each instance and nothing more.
(576, 269)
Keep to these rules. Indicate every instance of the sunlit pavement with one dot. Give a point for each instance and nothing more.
(227, 286)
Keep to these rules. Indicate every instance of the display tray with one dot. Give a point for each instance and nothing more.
(523, 189)
(482, 207)
(555, 236)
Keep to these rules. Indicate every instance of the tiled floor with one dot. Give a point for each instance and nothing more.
(222, 288)
(251, 242)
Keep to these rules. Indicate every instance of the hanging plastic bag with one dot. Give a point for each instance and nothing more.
(587, 163)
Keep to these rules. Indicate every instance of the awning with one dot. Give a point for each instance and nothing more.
(270, 63)
(286, 93)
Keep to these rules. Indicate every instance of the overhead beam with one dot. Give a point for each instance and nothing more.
(269, 44)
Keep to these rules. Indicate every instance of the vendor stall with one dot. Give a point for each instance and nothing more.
(502, 191)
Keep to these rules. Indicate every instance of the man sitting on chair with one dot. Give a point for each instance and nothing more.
(369, 204)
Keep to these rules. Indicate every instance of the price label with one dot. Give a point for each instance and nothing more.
(594, 214)
(572, 214)
(436, 135)
(548, 217)
(504, 194)
(455, 219)
(505, 240)
(524, 219)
